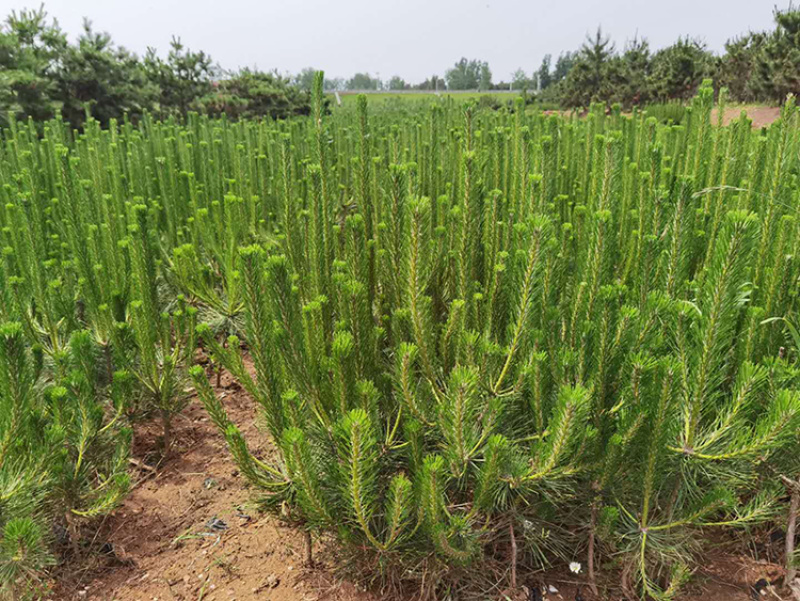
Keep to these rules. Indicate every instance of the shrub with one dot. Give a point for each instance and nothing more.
(668, 112)
(252, 94)
(479, 339)
(63, 456)
(564, 333)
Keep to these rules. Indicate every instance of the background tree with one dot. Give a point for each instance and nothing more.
(30, 53)
(182, 78)
(397, 83)
(679, 69)
(469, 75)
(363, 81)
(543, 75)
(735, 69)
(103, 79)
(334, 83)
(520, 81)
(434, 82)
(485, 81)
(564, 63)
(630, 73)
(776, 64)
(305, 79)
(588, 79)
(250, 94)
(42, 74)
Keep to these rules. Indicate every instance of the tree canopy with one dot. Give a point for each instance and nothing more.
(363, 81)
(43, 75)
(469, 75)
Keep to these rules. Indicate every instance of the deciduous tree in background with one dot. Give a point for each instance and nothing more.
(305, 79)
(363, 81)
(543, 75)
(397, 83)
(469, 75)
(520, 80)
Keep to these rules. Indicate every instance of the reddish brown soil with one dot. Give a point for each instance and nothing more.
(164, 550)
(761, 116)
(163, 546)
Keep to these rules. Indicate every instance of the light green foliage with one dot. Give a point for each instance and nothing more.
(469, 75)
(457, 323)
(572, 325)
(63, 454)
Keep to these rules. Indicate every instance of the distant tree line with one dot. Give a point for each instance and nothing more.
(367, 82)
(756, 67)
(43, 75)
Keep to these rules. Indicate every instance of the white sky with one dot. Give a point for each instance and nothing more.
(412, 38)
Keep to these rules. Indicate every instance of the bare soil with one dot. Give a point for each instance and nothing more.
(166, 541)
(761, 116)
(162, 543)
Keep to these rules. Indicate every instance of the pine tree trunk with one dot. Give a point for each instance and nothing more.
(73, 533)
(109, 363)
(513, 556)
(224, 344)
(673, 499)
(308, 556)
(590, 551)
(167, 425)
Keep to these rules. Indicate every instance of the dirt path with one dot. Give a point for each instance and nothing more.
(167, 540)
(162, 544)
(761, 116)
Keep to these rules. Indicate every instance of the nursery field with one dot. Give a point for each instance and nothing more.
(351, 98)
(425, 351)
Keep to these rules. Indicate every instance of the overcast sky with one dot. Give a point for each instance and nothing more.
(411, 38)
